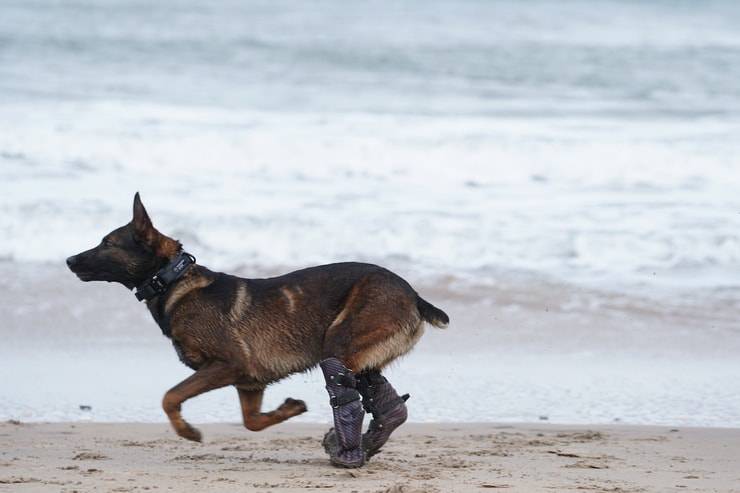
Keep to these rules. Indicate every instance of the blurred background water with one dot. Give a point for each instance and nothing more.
(592, 144)
(593, 141)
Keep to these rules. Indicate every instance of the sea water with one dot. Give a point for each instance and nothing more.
(591, 143)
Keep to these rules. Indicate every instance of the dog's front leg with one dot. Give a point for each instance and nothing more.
(255, 420)
(211, 376)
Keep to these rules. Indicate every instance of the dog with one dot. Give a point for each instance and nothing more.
(352, 319)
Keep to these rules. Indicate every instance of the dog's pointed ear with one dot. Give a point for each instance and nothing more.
(143, 226)
(144, 230)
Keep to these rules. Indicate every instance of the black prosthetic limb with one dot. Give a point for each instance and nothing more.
(388, 409)
(344, 447)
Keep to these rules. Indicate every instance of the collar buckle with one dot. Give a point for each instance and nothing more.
(157, 285)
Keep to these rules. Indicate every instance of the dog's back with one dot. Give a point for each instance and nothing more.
(280, 325)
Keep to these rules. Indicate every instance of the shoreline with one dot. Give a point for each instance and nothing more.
(535, 349)
(452, 457)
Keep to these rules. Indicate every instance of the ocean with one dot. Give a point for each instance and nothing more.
(593, 146)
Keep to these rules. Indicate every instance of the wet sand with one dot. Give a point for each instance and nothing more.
(86, 457)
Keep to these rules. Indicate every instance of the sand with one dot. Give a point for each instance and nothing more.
(86, 457)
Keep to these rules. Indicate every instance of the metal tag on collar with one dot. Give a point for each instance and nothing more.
(183, 261)
(181, 264)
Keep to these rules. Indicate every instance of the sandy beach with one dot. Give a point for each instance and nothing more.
(561, 178)
(86, 457)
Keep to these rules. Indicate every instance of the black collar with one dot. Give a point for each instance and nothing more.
(163, 279)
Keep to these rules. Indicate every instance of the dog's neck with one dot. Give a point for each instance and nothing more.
(166, 276)
(162, 305)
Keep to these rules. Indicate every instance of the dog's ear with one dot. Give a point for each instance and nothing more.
(163, 246)
(143, 227)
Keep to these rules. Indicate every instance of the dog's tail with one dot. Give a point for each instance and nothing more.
(431, 313)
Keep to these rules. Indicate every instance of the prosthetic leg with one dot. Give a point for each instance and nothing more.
(346, 449)
(388, 409)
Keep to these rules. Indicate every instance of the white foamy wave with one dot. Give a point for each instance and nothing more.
(447, 196)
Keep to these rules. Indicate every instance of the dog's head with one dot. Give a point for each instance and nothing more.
(128, 254)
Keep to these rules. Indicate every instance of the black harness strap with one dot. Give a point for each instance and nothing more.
(347, 396)
(161, 281)
(346, 392)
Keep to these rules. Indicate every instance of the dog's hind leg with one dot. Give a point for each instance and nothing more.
(255, 420)
(389, 412)
(378, 323)
(347, 412)
(388, 409)
(210, 376)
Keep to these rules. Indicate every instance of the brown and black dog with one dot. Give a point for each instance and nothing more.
(352, 318)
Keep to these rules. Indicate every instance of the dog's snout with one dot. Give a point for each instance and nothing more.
(71, 261)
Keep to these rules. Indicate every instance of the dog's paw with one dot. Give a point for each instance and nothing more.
(190, 433)
(293, 407)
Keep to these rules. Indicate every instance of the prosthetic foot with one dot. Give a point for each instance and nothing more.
(344, 448)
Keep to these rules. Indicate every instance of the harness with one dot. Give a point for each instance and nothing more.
(163, 279)
(347, 391)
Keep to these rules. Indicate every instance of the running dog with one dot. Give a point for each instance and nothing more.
(351, 319)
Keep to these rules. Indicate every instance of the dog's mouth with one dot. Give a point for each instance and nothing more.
(85, 276)
(80, 270)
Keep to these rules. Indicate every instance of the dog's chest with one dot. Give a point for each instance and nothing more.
(186, 359)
